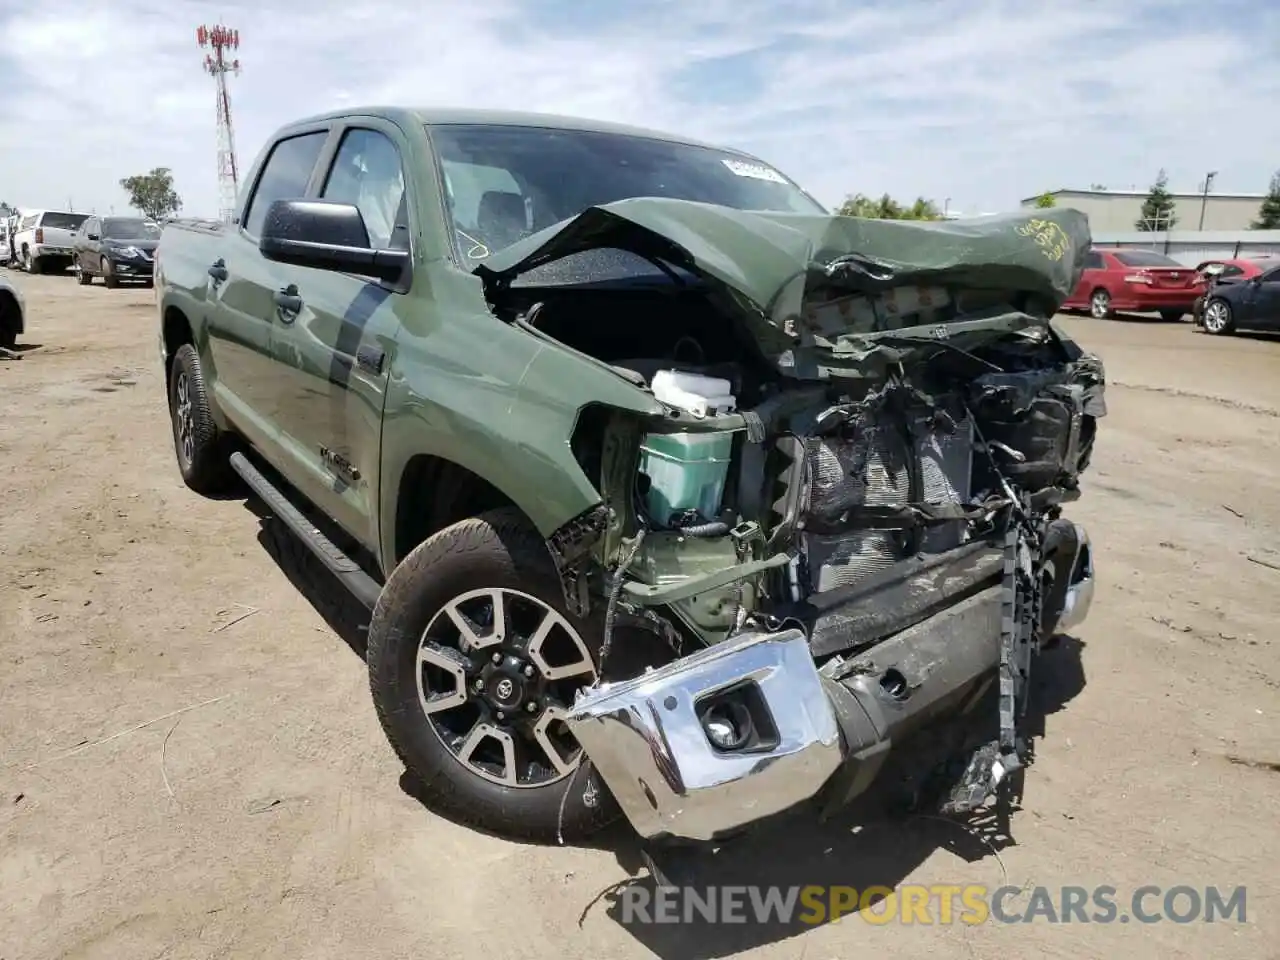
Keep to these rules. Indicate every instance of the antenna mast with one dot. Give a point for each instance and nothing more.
(220, 42)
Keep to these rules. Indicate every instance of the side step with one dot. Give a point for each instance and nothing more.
(362, 586)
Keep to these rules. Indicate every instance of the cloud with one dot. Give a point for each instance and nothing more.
(979, 103)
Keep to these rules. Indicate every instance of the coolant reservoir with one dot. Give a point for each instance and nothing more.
(686, 471)
(694, 393)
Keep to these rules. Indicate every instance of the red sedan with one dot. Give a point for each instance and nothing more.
(1135, 281)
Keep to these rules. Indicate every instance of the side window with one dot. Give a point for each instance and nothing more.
(1271, 276)
(91, 228)
(367, 173)
(1093, 261)
(284, 177)
(1231, 270)
(29, 221)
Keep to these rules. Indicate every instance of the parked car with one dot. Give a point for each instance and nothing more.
(554, 430)
(116, 249)
(13, 313)
(1134, 281)
(1210, 271)
(45, 239)
(1247, 297)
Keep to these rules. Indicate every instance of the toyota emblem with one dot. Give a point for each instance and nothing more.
(504, 689)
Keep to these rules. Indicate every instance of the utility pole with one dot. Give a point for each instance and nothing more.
(1204, 197)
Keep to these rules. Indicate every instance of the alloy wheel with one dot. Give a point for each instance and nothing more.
(1216, 316)
(1100, 304)
(183, 418)
(497, 670)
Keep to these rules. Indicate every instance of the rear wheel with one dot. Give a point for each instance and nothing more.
(1100, 305)
(83, 277)
(109, 275)
(1218, 318)
(29, 263)
(201, 451)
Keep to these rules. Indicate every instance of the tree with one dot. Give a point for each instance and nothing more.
(152, 193)
(1097, 186)
(887, 208)
(1046, 200)
(1157, 209)
(1269, 209)
(6, 210)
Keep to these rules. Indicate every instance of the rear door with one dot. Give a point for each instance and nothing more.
(333, 354)
(1089, 278)
(243, 284)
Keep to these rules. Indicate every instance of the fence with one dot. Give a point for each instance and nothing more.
(1193, 247)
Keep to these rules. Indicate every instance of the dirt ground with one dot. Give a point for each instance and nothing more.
(269, 818)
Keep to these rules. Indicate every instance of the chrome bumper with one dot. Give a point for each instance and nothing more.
(1080, 592)
(647, 738)
(650, 738)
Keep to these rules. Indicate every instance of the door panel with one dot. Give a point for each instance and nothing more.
(334, 355)
(333, 358)
(240, 334)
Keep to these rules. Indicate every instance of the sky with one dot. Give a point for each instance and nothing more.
(974, 104)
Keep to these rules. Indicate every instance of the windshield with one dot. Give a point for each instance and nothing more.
(506, 182)
(129, 228)
(1145, 258)
(65, 221)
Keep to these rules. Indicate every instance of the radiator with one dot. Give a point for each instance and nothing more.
(867, 467)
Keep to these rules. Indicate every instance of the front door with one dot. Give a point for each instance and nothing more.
(335, 335)
(1264, 301)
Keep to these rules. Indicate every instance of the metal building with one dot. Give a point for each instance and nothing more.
(1116, 211)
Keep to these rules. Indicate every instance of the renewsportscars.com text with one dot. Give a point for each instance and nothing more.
(931, 904)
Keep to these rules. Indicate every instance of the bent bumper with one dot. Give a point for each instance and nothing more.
(802, 732)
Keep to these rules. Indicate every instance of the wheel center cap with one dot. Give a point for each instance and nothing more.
(506, 691)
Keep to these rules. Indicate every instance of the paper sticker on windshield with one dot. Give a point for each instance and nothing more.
(756, 171)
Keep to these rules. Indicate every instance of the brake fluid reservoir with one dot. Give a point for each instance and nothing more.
(686, 471)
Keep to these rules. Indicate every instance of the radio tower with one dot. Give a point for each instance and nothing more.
(220, 41)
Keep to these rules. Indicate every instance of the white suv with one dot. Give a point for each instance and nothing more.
(45, 238)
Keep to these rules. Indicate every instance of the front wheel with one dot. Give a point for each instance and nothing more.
(1218, 319)
(1100, 305)
(109, 275)
(474, 662)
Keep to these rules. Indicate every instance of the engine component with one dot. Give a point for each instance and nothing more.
(686, 472)
(694, 393)
(877, 461)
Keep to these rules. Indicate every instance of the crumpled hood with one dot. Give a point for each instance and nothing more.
(770, 266)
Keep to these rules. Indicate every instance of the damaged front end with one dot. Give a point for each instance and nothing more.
(848, 525)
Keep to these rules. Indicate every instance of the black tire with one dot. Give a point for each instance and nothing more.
(204, 462)
(109, 275)
(1218, 319)
(499, 549)
(31, 264)
(1172, 316)
(83, 277)
(1100, 304)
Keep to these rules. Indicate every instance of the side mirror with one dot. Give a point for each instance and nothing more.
(92, 236)
(326, 235)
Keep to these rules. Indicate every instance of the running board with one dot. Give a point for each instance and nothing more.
(362, 586)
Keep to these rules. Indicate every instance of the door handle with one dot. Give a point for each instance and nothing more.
(288, 303)
(218, 270)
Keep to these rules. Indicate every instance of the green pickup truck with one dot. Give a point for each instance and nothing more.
(670, 493)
